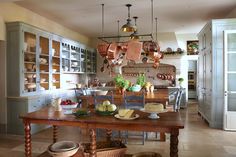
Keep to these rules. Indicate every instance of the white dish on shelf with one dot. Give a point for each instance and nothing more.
(53, 52)
(123, 118)
(153, 114)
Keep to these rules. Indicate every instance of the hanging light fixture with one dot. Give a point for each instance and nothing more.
(128, 27)
(135, 36)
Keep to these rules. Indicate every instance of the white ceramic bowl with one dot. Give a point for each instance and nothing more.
(53, 52)
(101, 92)
(54, 70)
(68, 109)
(63, 149)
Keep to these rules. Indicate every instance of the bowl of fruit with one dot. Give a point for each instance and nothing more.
(106, 108)
(81, 112)
(68, 106)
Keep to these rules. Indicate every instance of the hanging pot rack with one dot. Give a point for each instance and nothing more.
(124, 36)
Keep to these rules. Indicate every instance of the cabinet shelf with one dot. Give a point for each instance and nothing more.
(56, 82)
(74, 59)
(57, 73)
(30, 83)
(73, 72)
(29, 53)
(44, 82)
(57, 57)
(44, 54)
(44, 64)
(65, 58)
(28, 62)
(74, 52)
(28, 72)
(44, 72)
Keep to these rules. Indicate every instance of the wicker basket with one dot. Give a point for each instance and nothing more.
(146, 154)
(107, 149)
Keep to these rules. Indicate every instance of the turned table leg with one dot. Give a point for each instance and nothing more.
(55, 133)
(108, 132)
(162, 136)
(93, 143)
(27, 129)
(174, 143)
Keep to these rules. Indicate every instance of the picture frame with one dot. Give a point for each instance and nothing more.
(192, 47)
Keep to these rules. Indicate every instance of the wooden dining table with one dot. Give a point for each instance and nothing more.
(169, 122)
(160, 95)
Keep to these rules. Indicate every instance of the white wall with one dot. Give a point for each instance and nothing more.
(2, 29)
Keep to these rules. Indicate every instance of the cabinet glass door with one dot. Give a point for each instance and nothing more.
(44, 63)
(83, 59)
(56, 77)
(65, 57)
(29, 50)
(229, 79)
(88, 61)
(75, 59)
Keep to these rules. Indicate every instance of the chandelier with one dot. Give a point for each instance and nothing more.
(131, 47)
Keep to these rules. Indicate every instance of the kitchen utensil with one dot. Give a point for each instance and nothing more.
(102, 49)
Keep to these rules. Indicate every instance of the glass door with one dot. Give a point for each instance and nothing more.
(29, 62)
(44, 63)
(56, 72)
(229, 80)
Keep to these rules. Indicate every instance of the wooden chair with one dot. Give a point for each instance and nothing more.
(175, 100)
(136, 101)
(176, 106)
(98, 99)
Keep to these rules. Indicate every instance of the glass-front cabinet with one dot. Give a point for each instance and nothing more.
(38, 60)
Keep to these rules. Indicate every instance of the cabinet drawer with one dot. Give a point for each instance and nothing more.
(35, 104)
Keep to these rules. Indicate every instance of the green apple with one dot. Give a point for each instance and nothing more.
(100, 107)
(111, 107)
(106, 102)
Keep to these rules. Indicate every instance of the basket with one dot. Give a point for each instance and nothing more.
(107, 149)
(147, 154)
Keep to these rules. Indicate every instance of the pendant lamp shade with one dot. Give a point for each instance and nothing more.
(128, 27)
(135, 36)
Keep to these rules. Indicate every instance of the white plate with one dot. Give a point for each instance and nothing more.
(143, 110)
(122, 118)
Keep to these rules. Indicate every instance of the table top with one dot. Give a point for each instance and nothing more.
(48, 115)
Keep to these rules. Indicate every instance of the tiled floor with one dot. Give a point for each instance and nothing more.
(195, 140)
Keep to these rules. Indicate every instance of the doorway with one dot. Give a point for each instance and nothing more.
(192, 79)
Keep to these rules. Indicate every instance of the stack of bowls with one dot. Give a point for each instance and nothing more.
(63, 149)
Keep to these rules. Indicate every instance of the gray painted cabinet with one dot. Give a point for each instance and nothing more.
(36, 63)
(17, 106)
(210, 70)
(31, 67)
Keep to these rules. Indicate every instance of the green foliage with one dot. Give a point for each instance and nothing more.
(121, 82)
(141, 80)
(181, 79)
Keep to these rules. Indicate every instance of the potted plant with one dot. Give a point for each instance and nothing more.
(180, 81)
(121, 83)
(141, 80)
